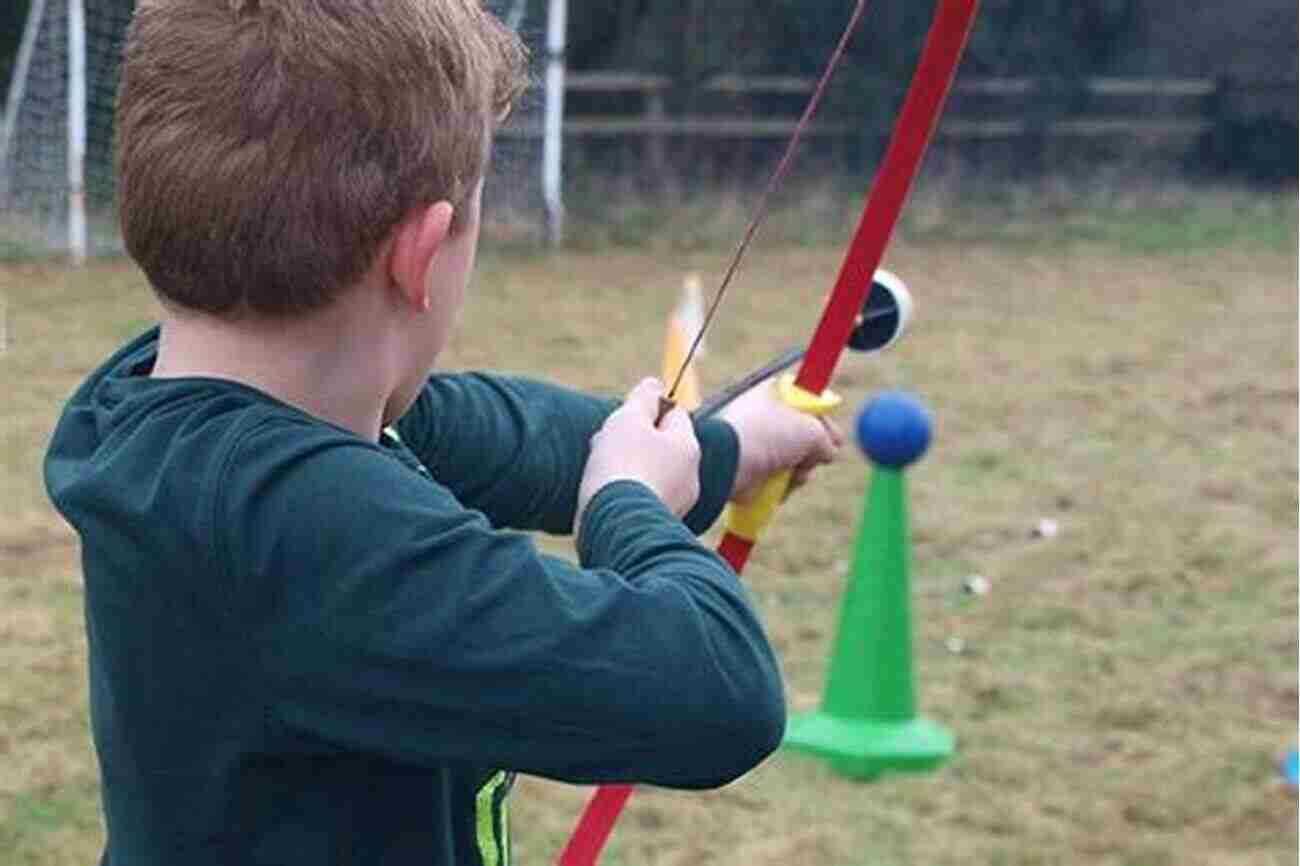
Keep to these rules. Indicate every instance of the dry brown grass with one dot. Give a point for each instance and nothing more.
(1127, 685)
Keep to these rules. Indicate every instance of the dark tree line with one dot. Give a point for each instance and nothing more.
(690, 39)
(12, 16)
(693, 37)
(1059, 42)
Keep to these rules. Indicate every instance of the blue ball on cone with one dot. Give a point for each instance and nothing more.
(894, 429)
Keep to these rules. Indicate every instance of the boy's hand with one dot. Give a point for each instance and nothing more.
(774, 437)
(629, 447)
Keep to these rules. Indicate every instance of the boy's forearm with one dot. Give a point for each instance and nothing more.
(528, 443)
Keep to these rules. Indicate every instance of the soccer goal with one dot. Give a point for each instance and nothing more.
(56, 141)
(56, 138)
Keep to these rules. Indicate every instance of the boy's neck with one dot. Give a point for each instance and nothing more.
(335, 364)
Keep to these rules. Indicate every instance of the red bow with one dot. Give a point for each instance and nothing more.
(916, 122)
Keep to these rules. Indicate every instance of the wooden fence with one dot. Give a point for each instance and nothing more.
(1173, 110)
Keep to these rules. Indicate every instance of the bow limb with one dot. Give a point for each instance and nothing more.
(949, 31)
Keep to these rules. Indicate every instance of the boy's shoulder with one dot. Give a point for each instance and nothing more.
(122, 429)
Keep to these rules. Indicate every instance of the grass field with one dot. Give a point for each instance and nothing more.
(1125, 688)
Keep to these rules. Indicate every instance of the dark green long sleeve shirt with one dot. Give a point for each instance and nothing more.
(305, 647)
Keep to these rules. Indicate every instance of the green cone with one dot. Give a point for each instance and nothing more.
(867, 723)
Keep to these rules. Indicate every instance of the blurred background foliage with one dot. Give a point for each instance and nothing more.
(1249, 50)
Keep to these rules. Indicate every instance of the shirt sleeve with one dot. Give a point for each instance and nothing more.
(386, 617)
(515, 448)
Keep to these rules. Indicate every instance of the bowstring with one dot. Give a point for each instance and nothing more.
(778, 175)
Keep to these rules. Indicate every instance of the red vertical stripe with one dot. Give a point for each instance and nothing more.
(912, 131)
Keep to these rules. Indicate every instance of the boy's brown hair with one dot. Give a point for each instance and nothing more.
(267, 147)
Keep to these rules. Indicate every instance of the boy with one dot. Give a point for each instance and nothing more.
(312, 638)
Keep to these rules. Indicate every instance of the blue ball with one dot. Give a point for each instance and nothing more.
(894, 429)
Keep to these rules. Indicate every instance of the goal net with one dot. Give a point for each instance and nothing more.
(56, 133)
(56, 141)
(512, 192)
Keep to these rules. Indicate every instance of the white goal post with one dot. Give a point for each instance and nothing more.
(553, 131)
(77, 131)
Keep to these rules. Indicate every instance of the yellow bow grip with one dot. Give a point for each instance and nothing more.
(748, 521)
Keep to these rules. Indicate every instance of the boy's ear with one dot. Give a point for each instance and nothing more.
(415, 242)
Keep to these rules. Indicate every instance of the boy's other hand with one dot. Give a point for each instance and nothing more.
(775, 438)
(630, 448)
